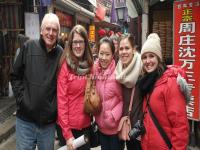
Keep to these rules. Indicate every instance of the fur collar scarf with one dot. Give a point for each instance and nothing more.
(128, 76)
(82, 69)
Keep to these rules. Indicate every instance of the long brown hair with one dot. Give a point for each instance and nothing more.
(87, 56)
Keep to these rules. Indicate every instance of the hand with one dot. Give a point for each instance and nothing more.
(70, 144)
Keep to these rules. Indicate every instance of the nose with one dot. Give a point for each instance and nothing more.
(148, 60)
(103, 57)
(123, 51)
(78, 44)
(51, 32)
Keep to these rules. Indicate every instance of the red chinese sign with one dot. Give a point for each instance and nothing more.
(65, 19)
(187, 49)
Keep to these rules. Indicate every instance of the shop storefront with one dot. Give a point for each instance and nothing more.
(66, 21)
(79, 15)
(161, 22)
(11, 25)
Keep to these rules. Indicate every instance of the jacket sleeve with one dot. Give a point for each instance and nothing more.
(63, 103)
(17, 75)
(117, 110)
(176, 112)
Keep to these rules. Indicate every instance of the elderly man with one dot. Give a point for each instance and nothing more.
(33, 79)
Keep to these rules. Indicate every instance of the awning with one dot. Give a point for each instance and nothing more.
(77, 8)
(105, 24)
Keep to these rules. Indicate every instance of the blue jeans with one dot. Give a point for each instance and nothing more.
(28, 135)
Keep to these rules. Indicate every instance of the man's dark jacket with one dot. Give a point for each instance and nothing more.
(33, 80)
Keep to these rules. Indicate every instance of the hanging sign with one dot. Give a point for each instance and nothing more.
(186, 49)
(92, 33)
(64, 19)
(32, 25)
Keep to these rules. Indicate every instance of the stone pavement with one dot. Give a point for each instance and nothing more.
(11, 142)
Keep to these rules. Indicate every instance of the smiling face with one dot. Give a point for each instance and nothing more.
(126, 52)
(78, 45)
(150, 62)
(49, 33)
(105, 55)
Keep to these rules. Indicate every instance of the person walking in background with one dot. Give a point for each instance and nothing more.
(75, 64)
(161, 91)
(33, 79)
(127, 72)
(110, 94)
(115, 40)
(21, 40)
(94, 52)
(62, 40)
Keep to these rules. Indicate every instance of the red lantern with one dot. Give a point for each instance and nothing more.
(119, 34)
(110, 33)
(102, 32)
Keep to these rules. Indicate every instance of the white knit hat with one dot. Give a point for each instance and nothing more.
(152, 44)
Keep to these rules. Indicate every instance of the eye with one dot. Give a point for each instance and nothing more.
(55, 30)
(47, 28)
(127, 47)
(144, 57)
(121, 48)
(151, 56)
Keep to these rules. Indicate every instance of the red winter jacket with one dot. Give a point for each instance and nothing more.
(70, 96)
(169, 106)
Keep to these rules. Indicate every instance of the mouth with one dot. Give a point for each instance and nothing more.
(124, 58)
(78, 51)
(103, 62)
(149, 67)
(50, 39)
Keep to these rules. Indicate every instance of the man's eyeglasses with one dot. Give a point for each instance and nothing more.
(81, 42)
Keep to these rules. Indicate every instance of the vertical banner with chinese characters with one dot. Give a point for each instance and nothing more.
(92, 33)
(187, 49)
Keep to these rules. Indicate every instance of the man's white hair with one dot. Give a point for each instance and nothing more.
(53, 17)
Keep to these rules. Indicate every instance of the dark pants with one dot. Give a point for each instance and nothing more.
(61, 139)
(110, 142)
(133, 144)
(78, 133)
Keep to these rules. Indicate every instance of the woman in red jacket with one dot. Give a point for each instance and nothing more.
(160, 90)
(76, 62)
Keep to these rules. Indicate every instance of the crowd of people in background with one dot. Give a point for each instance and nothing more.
(49, 78)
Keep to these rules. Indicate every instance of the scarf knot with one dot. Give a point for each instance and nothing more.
(82, 68)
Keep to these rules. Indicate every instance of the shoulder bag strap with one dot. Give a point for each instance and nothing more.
(160, 129)
(131, 101)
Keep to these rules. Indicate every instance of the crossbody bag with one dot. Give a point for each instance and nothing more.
(160, 129)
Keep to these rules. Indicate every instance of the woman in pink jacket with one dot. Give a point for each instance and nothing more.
(110, 93)
(161, 92)
(76, 63)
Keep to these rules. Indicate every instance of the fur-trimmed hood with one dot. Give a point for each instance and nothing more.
(181, 78)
